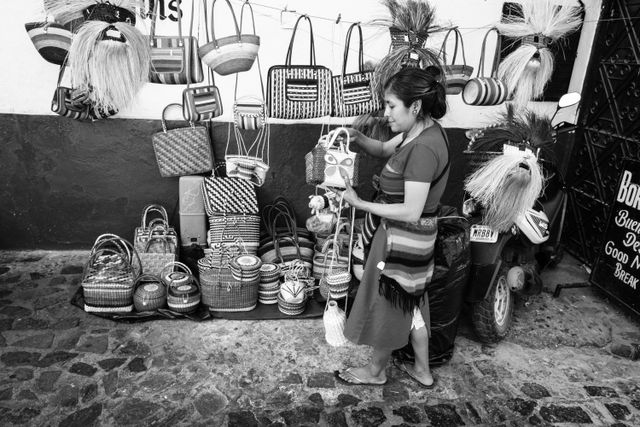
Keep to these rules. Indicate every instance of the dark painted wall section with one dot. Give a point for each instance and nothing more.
(64, 182)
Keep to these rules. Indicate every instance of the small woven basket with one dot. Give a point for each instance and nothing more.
(150, 293)
(291, 308)
(183, 289)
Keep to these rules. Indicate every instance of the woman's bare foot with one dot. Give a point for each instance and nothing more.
(361, 375)
(424, 378)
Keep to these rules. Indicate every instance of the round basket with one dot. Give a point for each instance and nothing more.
(269, 272)
(291, 309)
(183, 289)
(150, 293)
(268, 297)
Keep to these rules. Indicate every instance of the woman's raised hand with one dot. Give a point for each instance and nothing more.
(349, 195)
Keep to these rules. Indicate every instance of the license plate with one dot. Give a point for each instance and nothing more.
(483, 234)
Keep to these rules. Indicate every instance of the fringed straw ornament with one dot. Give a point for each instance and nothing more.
(527, 70)
(506, 186)
(410, 24)
(110, 62)
(109, 57)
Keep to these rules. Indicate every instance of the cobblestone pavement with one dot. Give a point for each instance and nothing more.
(61, 366)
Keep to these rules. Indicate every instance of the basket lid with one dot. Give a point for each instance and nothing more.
(176, 278)
(185, 290)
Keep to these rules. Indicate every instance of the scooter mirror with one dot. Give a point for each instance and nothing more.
(569, 99)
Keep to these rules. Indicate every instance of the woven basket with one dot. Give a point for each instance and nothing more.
(109, 276)
(150, 293)
(183, 289)
(221, 291)
(291, 309)
(337, 284)
(314, 165)
(155, 241)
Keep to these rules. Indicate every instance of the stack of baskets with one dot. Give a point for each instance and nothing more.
(109, 277)
(183, 289)
(269, 283)
(230, 280)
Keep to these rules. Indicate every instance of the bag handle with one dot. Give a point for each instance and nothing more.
(276, 246)
(235, 23)
(146, 278)
(360, 49)
(458, 39)
(122, 246)
(342, 145)
(173, 265)
(496, 54)
(154, 208)
(210, 76)
(164, 112)
(312, 48)
(158, 233)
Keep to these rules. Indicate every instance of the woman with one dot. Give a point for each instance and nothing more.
(409, 190)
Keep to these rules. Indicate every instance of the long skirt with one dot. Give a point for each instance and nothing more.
(373, 319)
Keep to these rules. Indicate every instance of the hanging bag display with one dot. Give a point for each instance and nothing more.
(353, 93)
(456, 75)
(299, 91)
(339, 158)
(182, 151)
(483, 90)
(230, 54)
(174, 59)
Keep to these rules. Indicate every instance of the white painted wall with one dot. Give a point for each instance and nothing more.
(27, 81)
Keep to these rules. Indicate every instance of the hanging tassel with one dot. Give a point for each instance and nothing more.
(506, 187)
(399, 58)
(110, 61)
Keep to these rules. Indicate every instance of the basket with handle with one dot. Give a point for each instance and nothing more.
(155, 241)
(295, 292)
(339, 158)
(456, 75)
(221, 290)
(150, 293)
(109, 275)
(183, 289)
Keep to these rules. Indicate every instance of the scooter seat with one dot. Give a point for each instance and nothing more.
(535, 225)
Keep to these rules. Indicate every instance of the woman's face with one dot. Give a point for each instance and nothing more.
(399, 117)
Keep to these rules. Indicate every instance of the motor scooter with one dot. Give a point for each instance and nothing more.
(507, 264)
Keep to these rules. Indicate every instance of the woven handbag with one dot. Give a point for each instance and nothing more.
(228, 228)
(295, 291)
(202, 102)
(150, 293)
(109, 275)
(483, 90)
(52, 41)
(182, 151)
(229, 195)
(221, 291)
(325, 258)
(155, 241)
(299, 91)
(174, 59)
(230, 54)
(456, 75)
(353, 93)
(314, 162)
(183, 289)
(339, 159)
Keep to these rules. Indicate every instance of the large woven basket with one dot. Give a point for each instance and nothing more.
(221, 291)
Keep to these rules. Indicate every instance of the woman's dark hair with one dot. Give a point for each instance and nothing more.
(411, 84)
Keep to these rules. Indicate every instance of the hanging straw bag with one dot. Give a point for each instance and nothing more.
(483, 90)
(174, 59)
(229, 195)
(299, 91)
(110, 274)
(339, 158)
(183, 289)
(51, 40)
(182, 151)
(353, 93)
(231, 54)
(150, 293)
(314, 161)
(456, 75)
(250, 164)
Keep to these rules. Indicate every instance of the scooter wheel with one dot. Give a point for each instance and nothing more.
(493, 316)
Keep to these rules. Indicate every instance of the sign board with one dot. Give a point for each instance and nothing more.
(617, 269)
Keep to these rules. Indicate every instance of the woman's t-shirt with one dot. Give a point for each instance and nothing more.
(422, 160)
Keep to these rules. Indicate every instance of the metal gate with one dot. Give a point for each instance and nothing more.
(608, 127)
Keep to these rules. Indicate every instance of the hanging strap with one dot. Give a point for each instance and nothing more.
(496, 54)
(312, 48)
(347, 44)
(458, 39)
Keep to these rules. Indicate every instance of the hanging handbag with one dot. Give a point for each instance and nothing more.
(231, 54)
(456, 75)
(52, 41)
(174, 59)
(229, 195)
(203, 102)
(339, 158)
(353, 93)
(182, 151)
(250, 112)
(299, 91)
(483, 90)
(249, 163)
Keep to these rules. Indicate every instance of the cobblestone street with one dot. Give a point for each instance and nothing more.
(61, 366)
